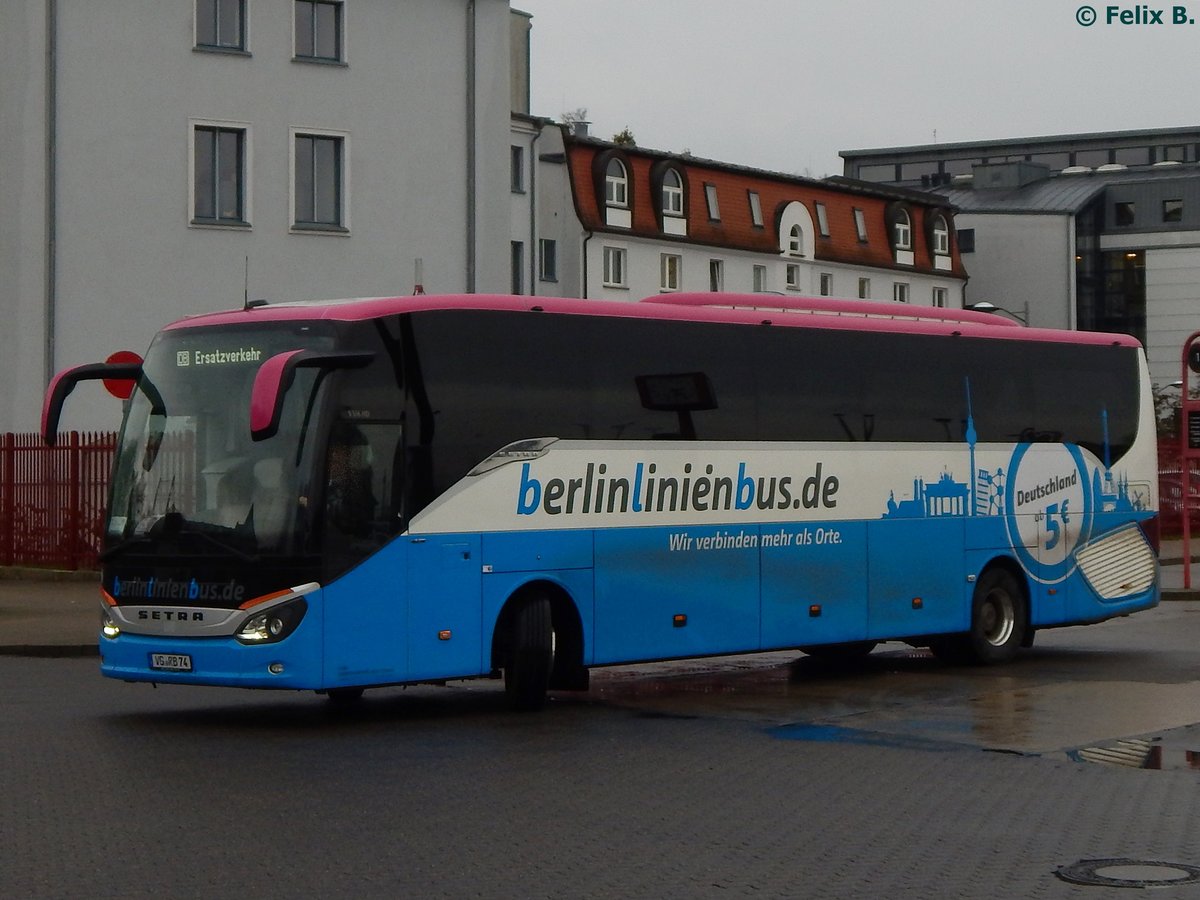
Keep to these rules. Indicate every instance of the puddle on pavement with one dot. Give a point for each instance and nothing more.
(906, 698)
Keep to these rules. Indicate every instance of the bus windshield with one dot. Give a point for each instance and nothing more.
(187, 470)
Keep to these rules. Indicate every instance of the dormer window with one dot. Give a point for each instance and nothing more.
(900, 234)
(939, 242)
(672, 194)
(616, 184)
(941, 237)
(903, 230)
(614, 171)
(668, 182)
(796, 231)
(796, 241)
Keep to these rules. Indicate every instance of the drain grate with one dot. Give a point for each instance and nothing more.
(1129, 873)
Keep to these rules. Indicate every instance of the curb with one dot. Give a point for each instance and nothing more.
(29, 573)
(51, 651)
(1176, 594)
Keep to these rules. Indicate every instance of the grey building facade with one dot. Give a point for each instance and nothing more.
(1096, 232)
(178, 156)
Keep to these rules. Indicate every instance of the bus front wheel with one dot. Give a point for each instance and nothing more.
(530, 654)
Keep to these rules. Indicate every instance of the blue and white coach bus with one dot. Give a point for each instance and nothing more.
(335, 496)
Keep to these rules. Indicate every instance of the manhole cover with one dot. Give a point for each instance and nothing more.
(1131, 873)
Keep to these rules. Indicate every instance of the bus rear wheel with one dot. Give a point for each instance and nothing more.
(999, 620)
(530, 654)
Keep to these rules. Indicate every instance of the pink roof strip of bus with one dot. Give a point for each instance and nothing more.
(742, 309)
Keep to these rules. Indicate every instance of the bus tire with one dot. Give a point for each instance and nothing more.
(999, 618)
(999, 623)
(530, 654)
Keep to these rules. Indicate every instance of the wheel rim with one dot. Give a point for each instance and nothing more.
(998, 617)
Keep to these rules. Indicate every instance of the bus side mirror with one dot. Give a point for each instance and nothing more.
(64, 382)
(275, 377)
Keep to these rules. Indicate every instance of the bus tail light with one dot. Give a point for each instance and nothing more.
(272, 625)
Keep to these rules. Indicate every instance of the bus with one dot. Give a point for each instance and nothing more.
(333, 496)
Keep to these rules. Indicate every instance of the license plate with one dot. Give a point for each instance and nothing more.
(171, 662)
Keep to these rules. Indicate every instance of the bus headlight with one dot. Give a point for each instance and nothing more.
(274, 624)
(108, 627)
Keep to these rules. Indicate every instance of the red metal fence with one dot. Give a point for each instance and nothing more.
(1170, 491)
(52, 499)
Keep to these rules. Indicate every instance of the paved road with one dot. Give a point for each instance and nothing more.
(746, 777)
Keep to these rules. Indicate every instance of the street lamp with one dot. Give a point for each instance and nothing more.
(985, 306)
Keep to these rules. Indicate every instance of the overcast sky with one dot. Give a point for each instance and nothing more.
(785, 84)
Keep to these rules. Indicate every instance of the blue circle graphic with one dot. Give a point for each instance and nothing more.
(1048, 512)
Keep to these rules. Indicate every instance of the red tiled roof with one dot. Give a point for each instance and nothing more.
(736, 231)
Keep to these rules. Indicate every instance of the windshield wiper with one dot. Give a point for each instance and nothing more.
(223, 545)
(154, 537)
(119, 549)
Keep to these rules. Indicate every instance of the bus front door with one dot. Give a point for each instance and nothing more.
(445, 592)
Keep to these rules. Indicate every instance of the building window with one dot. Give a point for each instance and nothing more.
(756, 218)
(864, 288)
(826, 284)
(796, 241)
(966, 240)
(1119, 303)
(1124, 213)
(672, 194)
(902, 231)
(1174, 153)
(221, 24)
(614, 267)
(616, 184)
(822, 220)
(320, 182)
(900, 292)
(760, 279)
(941, 237)
(716, 275)
(516, 170)
(319, 30)
(219, 175)
(941, 297)
(518, 267)
(710, 197)
(1091, 158)
(793, 277)
(548, 259)
(1172, 210)
(1132, 156)
(860, 225)
(670, 270)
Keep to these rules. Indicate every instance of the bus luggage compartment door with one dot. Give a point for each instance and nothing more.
(445, 589)
(664, 593)
(916, 584)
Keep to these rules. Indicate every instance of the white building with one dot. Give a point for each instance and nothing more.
(174, 157)
(595, 219)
